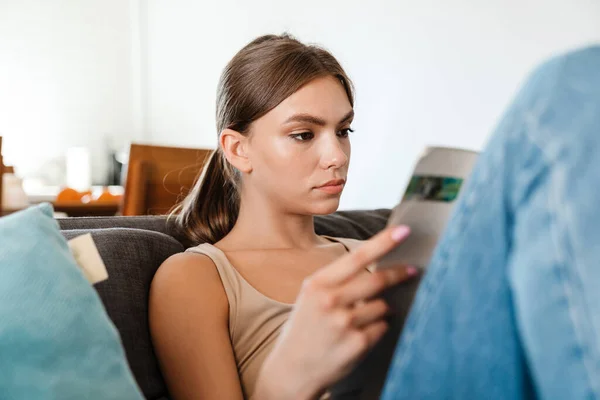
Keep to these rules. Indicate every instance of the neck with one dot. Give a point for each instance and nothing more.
(263, 225)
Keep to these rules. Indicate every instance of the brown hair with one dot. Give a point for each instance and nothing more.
(259, 77)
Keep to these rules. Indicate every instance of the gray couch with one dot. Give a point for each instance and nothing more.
(134, 247)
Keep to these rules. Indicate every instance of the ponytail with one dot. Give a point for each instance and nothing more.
(210, 210)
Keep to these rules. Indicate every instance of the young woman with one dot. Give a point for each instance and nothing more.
(509, 307)
(284, 115)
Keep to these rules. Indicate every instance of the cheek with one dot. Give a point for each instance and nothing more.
(272, 156)
(280, 162)
(348, 149)
(280, 153)
(282, 156)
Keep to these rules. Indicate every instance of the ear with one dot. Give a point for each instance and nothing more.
(234, 145)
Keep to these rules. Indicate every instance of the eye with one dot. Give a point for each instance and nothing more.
(345, 132)
(303, 137)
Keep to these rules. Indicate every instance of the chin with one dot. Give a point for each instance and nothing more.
(325, 207)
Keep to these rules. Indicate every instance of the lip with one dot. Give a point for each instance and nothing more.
(334, 186)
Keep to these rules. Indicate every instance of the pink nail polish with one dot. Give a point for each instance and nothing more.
(400, 232)
(410, 271)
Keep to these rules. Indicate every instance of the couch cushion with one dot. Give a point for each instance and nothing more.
(147, 222)
(352, 224)
(132, 256)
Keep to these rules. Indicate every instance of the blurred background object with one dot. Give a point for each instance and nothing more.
(78, 168)
(95, 201)
(160, 177)
(1, 176)
(13, 195)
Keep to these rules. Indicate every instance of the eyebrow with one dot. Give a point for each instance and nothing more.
(311, 119)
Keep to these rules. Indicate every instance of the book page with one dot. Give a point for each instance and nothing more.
(436, 183)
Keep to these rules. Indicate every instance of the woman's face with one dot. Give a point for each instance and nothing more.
(300, 150)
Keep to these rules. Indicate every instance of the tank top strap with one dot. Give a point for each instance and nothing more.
(349, 244)
(229, 278)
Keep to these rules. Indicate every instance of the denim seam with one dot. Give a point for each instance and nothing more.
(577, 316)
(559, 206)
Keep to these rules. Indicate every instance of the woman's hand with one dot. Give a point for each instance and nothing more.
(335, 321)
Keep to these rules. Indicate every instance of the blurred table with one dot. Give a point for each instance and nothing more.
(78, 209)
(41, 194)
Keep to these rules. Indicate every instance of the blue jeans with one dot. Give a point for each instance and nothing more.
(510, 305)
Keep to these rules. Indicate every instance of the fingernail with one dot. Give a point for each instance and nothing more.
(410, 271)
(400, 232)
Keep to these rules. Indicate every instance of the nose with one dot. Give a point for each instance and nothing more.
(335, 153)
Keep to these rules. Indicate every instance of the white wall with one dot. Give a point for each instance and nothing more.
(427, 72)
(96, 72)
(66, 79)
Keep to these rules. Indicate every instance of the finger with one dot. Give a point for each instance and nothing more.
(374, 332)
(365, 286)
(369, 312)
(360, 341)
(357, 260)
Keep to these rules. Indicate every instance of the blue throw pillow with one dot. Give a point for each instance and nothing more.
(56, 340)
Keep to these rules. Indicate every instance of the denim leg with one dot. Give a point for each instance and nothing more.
(510, 304)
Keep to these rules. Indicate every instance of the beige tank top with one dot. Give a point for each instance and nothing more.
(255, 320)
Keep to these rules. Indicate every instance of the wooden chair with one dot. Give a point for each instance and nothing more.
(160, 177)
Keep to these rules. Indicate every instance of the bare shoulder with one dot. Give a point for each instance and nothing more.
(185, 265)
(188, 317)
(188, 276)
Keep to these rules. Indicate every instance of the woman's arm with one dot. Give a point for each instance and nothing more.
(189, 315)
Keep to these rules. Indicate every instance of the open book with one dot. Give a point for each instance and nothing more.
(426, 206)
(437, 180)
